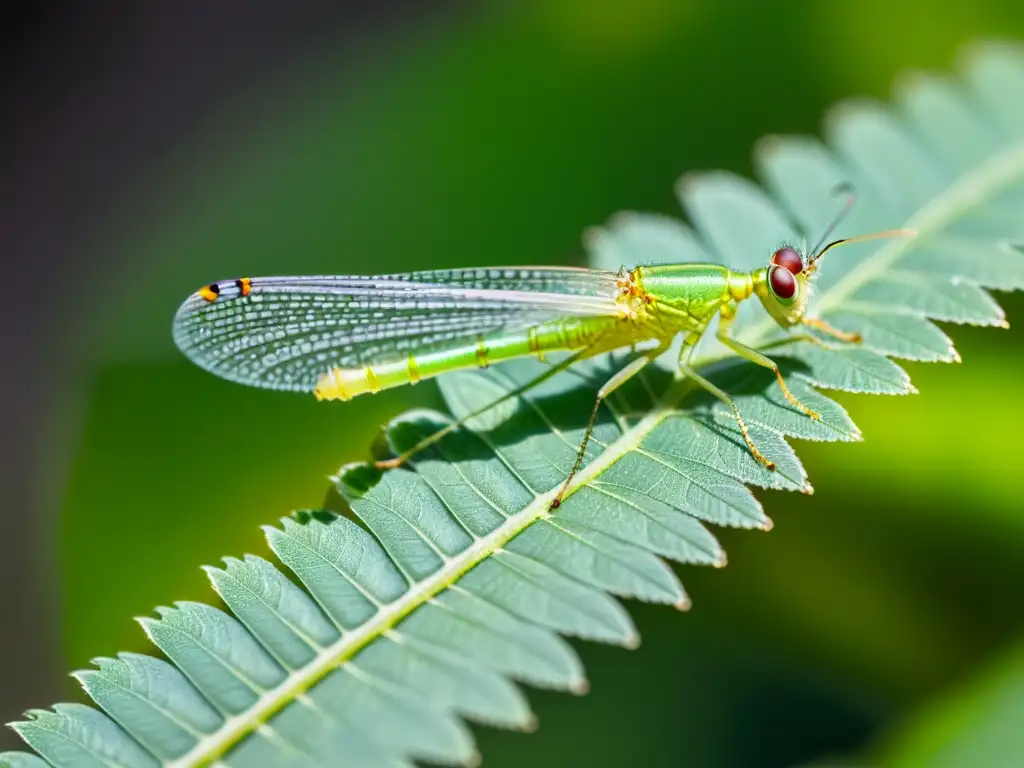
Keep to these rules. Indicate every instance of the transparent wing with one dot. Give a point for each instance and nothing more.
(286, 332)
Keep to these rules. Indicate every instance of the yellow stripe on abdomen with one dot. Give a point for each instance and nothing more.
(346, 383)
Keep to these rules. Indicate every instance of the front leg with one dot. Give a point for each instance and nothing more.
(756, 357)
(684, 367)
(829, 330)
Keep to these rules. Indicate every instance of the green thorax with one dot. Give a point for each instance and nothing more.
(697, 291)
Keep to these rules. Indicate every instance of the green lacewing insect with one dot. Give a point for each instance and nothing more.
(343, 336)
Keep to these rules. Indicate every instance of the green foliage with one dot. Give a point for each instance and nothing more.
(977, 724)
(453, 579)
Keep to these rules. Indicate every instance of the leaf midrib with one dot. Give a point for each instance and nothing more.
(300, 680)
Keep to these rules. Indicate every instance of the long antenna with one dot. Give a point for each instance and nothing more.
(851, 200)
(860, 239)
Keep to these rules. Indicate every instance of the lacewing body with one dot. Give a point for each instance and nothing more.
(339, 337)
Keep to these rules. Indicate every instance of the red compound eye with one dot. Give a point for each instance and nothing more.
(782, 282)
(788, 258)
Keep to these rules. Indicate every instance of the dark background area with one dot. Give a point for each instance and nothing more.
(150, 148)
(94, 93)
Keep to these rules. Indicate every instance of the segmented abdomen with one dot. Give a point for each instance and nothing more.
(598, 334)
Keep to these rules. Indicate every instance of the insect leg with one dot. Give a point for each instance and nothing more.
(793, 339)
(756, 357)
(820, 325)
(616, 381)
(432, 438)
(690, 373)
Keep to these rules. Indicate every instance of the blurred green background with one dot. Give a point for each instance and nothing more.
(880, 622)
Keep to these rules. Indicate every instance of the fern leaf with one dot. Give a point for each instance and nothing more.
(459, 580)
(21, 760)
